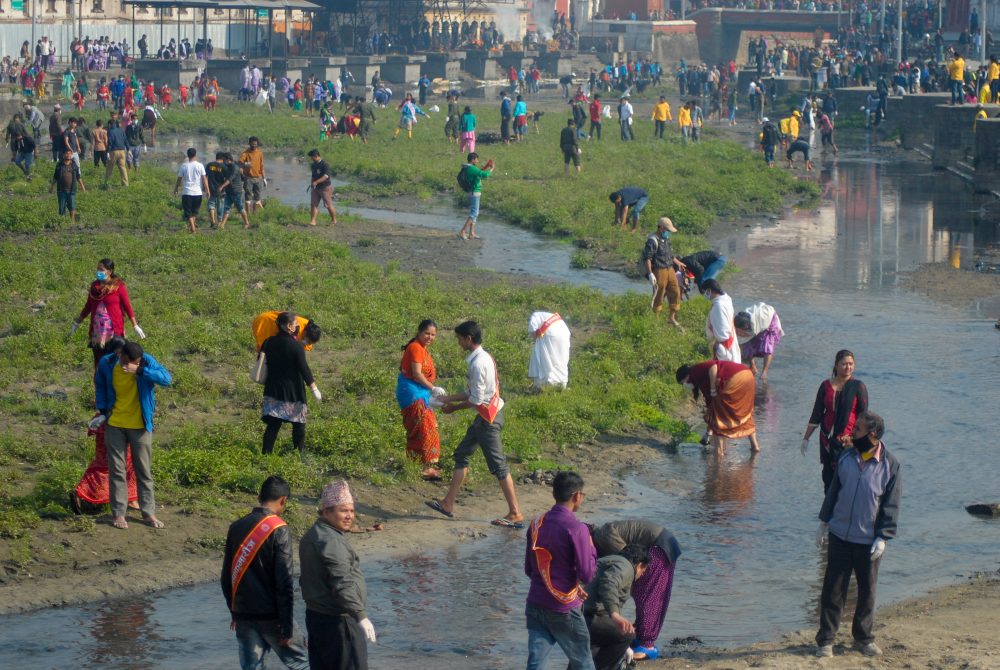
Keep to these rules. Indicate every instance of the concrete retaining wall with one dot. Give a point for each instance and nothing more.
(954, 138)
(987, 156)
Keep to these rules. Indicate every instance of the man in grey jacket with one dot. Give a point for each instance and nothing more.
(858, 517)
(334, 588)
(607, 593)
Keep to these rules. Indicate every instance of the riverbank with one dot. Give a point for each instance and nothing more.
(953, 627)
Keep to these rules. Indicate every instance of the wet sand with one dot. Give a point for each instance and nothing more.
(952, 628)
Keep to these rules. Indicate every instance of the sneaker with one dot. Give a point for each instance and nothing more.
(824, 651)
(868, 649)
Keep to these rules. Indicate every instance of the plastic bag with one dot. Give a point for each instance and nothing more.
(261, 98)
(606, 112)
(434, 108)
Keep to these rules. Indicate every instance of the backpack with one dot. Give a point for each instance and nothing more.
(463, 180)
(770, 134)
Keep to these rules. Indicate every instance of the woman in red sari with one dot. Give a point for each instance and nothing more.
(415, 392)
(728, 389)
(107, 306)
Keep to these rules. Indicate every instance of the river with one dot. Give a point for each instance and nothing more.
(750, 570)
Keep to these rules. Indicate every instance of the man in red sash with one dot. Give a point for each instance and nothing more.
(257, 582)
(482, 394)
(560, 557)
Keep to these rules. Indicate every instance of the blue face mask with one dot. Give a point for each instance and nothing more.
(102, 276)
(665, 234)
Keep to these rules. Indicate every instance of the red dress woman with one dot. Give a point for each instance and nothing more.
(107, 306)
(728, 389)
(839, 401)
(415, 391)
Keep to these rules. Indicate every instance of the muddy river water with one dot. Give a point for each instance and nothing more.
(750, 570)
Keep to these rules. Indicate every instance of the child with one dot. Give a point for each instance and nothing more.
(184, 95)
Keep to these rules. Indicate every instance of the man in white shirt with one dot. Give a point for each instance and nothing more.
(625, 116)
(549, 363)
(482, 394)
(719, 326)
(192, 178)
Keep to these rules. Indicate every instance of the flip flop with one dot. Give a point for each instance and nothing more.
(436, 506)
(119, 523)
(432, 475)
(152, 522)
(507, 523)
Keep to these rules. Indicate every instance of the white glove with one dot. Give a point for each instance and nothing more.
(265, 182)
(652, 279)
(437, 390)
(72, 329)
(316, 393)
(629, 654)
(878, 548)
(821, 535)
(96, 422)
(368, 628)
(804, 447)
(139, 331)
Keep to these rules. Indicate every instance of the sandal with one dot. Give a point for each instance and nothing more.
(152, 522)
(431, 475)
(504, 522)
(119, 522)
(436, 506)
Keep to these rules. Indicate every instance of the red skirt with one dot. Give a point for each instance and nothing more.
(93, 488)
(422, 439)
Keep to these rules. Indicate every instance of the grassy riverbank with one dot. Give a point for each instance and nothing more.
(195, 297)
(695, 184)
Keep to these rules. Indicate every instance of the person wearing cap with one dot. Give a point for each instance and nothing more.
(658, 260)
(257, 581)
(333, 587)
(980, 114)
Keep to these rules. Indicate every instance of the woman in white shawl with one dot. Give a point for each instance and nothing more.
(549, 362)
(758, 329)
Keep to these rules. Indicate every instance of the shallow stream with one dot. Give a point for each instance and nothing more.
(750, 570)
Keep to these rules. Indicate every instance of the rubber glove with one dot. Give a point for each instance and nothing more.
(652, 279)
(878, 548)
(139, 331)
(368, 628)
(96, 422)
(72, 329)
(316, 393)
(265, 182)
(437, 390)
(804, 447)
(629, 654)
(821, 535)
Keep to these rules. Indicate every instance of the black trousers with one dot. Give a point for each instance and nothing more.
(844, 558)
(607, 642)
(271, 435)
(335, 642)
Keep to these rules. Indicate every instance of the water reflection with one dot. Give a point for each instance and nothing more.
(122, 634)
(728, 487)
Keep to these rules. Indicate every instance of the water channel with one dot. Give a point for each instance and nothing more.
(749, 570)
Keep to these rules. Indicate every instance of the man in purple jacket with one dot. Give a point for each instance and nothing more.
(560, 558)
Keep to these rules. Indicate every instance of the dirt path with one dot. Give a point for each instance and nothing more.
(951, 629)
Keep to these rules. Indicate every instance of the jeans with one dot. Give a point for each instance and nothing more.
(256, 637)
(956, 91)
(132, 157)
(568, 630)
(474, 205)
(626, 130)
(714, 268)
(67, 202)
(608, 642)
(843, 558)
(24, 159)
(595, 125)
(637, 208)
(658, 129)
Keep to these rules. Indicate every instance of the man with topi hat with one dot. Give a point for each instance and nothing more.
(333, 587)
(658, 260)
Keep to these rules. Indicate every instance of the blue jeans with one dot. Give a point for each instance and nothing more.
(637, 208)
(714, 268)
(626, 130)
(256, 637)
(956, 91)
(67, 202)
(24, 160)
(568, 630)
(474, 205)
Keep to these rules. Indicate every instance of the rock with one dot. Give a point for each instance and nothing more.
(983, 509)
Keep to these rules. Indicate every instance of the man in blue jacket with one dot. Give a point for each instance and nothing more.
(859, 515)
(124, 390)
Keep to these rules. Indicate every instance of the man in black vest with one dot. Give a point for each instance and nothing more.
(257, 582)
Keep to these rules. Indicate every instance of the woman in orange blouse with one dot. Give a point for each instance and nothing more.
(415, 391)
